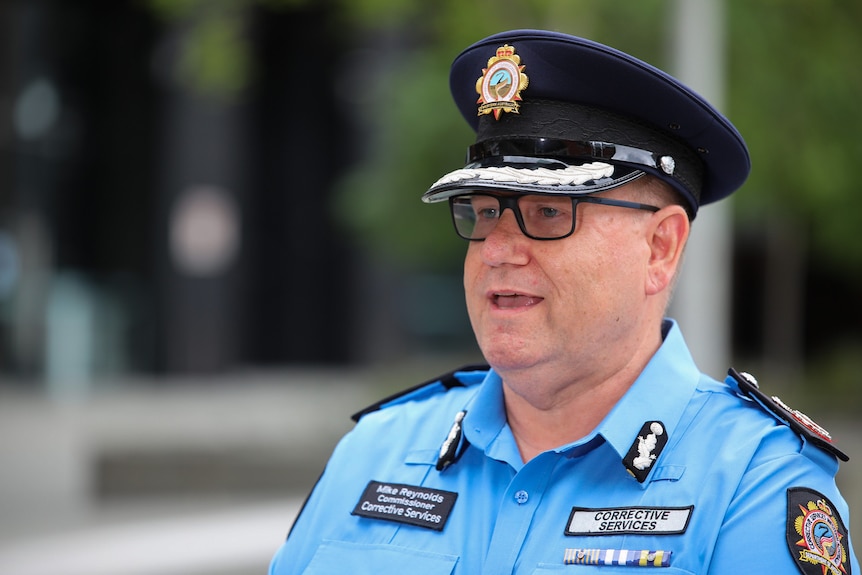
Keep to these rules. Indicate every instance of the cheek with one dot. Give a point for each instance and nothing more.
(471, 277)
(579, 266)
(594, 278)
(471, 266)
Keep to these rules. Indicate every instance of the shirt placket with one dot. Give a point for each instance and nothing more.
(518, 506)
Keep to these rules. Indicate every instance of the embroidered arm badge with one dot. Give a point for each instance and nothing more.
(816, 535)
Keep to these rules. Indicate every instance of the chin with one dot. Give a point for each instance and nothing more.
(509, 357)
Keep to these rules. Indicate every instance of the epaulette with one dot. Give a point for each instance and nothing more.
(803, 425)
(444, 382)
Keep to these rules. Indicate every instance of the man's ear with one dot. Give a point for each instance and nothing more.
(666, 236)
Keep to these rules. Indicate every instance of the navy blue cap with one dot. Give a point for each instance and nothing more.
(555, 113)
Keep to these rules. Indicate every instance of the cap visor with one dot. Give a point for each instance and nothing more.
(545, 178)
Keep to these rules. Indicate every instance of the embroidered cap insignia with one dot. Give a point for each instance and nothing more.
(815, 533)
(501, 83)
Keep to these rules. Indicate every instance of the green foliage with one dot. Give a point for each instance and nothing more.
(418, 133)
(215, 58)
(795, 87)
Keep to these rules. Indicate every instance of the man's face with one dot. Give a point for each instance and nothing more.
(570, 303)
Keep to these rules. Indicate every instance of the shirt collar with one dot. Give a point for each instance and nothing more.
(485, 424)
(671, 370)
(660, 393)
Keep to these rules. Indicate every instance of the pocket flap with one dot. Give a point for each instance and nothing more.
(339, 557)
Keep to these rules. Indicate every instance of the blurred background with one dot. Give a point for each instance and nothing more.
(212, 249)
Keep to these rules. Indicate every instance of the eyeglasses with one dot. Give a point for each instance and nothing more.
(540, 217)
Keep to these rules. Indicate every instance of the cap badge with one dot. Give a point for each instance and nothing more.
(501, 83)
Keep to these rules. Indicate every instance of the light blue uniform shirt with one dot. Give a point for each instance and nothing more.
(714, 500)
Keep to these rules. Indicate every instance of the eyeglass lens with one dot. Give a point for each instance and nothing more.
(539, 217)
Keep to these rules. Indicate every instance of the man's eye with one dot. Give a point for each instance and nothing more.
(487, 213)
(549, 212)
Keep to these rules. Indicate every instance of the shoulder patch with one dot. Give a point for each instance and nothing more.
(439, 384)
(816, 535)
(803, 425)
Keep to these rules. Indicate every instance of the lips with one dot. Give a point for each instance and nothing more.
(514, 300)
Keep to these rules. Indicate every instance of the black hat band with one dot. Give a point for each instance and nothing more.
(565, 130)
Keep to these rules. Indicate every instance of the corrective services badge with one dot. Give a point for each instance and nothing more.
(501, 83)
(815, 534)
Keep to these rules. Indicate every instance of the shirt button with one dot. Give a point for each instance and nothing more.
(521, 497)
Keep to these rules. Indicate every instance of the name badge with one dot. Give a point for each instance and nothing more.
(629, 521)
(411, 504)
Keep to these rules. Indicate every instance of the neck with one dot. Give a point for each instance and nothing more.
(540, 428)
(545, 411)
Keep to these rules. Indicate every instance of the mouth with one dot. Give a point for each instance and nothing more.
(514, 300)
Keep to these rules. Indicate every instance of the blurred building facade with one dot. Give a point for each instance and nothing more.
(166, 184)
(148, 223)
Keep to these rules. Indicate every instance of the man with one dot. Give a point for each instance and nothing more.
(592, 441)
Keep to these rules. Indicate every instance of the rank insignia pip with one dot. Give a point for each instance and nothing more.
(815, 534)
(501, 83)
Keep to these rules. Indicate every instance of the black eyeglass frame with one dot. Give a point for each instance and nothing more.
(511, 202)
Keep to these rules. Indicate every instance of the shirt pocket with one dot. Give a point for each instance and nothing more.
(340, 557)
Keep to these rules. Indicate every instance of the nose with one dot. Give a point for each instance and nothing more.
(506, 244)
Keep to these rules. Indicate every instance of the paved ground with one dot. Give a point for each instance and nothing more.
(192, 478)
(206, 539)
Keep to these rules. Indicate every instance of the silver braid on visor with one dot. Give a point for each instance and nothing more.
(561, 148)
(568, 176)
(533, 175)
